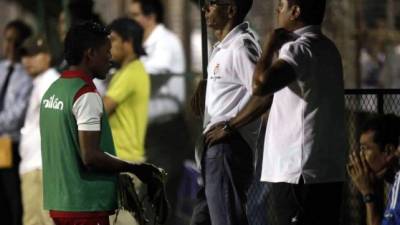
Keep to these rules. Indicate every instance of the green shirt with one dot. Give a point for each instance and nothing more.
(67, 184)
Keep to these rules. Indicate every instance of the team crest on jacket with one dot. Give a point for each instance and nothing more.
(53, 103)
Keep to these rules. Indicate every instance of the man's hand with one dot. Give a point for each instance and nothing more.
(360, 173)
(216, 133)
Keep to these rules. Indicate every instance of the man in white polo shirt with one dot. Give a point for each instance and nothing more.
(304, 153)
(227, 166)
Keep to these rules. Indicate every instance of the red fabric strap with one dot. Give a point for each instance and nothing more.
(68, 214)
(77, 74)
(89, 87)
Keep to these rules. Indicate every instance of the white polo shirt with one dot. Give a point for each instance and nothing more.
(230, 73)
(305, 135)
(165, 62)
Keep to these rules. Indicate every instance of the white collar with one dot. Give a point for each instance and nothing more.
(314, 29)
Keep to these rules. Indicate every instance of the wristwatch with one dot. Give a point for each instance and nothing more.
(227, 127)
(369, 198)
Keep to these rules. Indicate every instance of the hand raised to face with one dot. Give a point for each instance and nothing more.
(360, 173)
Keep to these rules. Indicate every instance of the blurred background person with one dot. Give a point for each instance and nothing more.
(15, 89)
(36, 59)
(379, 55)
(127, 98)
(165, 62)
(372, 63)
(373, 60)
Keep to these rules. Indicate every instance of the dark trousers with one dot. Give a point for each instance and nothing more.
(305, 204)
(227, 174)
(10, 193)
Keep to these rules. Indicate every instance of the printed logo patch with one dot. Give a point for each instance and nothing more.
(53, 103)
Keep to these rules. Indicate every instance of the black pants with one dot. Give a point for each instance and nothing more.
(10, 193)
(305, 204)
(227, 174)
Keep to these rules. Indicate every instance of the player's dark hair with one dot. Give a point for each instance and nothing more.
(82, 37)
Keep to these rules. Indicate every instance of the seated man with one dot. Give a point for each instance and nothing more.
(378, 159)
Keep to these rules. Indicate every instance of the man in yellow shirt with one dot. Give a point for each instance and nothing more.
(127, 98)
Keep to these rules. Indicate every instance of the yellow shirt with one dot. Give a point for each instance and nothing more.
(130, 89)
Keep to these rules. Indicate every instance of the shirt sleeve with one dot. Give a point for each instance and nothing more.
(88, 110)
(122, 86)
(299, 56)
(244, 61)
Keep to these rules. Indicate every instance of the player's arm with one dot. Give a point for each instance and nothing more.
(96, 160)
(88, 110)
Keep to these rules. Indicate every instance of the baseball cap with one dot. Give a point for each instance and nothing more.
(34, 45)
